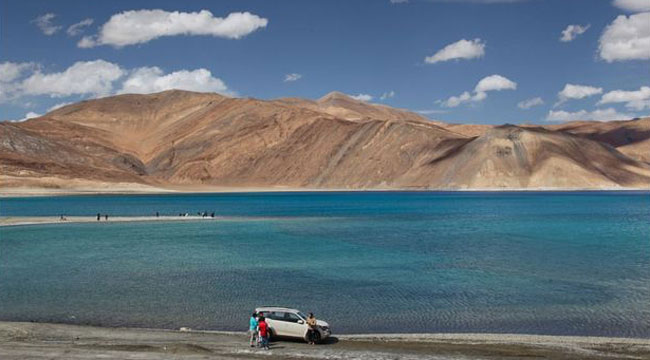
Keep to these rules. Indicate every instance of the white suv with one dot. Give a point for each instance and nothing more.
(286, 322)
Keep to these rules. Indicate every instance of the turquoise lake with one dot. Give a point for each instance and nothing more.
(561, 263)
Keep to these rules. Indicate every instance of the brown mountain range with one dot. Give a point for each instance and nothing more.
(185, 140)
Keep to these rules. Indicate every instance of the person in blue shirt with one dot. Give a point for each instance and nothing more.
(252, 329)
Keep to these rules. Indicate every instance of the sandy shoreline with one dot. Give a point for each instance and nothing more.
(36, 220)
(43, 220)
(57, 341)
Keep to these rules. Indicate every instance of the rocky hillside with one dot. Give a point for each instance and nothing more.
(178, 139)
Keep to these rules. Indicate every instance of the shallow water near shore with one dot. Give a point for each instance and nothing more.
(567, 263)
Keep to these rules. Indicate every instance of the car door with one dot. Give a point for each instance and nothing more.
(294, 325)
(277, 323)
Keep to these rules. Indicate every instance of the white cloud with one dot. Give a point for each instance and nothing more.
(44, 22)
(636, 100)
(58, 106)
(362, 97)
(495, 82)
(626, 38)
(86, 42)
(632, 5)
(10, 71)
(572, 91)
(100, 78)
(83, 77)
(572, 31)
(147, 80)
(529, 103)
(140, 26)
(387, 95)
(78, 28)
(292, 77)
(608, 114)
(461, 49)
(489, 83)
(454, 101)
(29, 115)
(431, 111)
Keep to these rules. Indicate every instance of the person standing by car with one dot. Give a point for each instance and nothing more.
(312, 328)
(263, 329)
(252, 330)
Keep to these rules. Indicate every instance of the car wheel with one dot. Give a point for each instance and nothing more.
(270, 335)
(317, 337)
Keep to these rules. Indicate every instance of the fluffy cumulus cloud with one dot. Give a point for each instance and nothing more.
(495, 83)
(292, 77)
(572, 31)
(140, 26)
(632, 5)
(147, 80)
(529, 103)
(387, 95)
(608, 114)
(461, 49)
(362, 97)
(99, 78)
(635, 100)
(78, 28)
(626, 38)
(572, 91)
(488, 83)
(46, 24)
(83, 77)
(10, 71)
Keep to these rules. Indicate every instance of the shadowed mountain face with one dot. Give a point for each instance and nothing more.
(184, 139)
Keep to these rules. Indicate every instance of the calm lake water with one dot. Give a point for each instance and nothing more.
(575, 263)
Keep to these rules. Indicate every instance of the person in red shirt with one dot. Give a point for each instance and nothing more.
(263, 329)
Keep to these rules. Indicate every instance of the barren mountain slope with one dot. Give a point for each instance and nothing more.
(27, 157)
(186, 138)
(179, 138)
(630, 137)
(515, 157)
(342, 106)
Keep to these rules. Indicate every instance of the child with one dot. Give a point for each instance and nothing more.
(263, 329)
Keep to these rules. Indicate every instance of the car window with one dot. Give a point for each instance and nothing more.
(277, 315)
(291, 317)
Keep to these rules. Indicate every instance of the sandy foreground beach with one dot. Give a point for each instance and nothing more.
(56, 341)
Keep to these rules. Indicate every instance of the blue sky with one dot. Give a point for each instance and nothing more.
(356, 47)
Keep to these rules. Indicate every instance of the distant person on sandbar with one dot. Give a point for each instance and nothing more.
(311, 329)
(263, 329)
(157, 214)
(99, 216)
(106, 217)
(252, 329)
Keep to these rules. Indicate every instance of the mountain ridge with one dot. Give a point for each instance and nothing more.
(183, 139)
